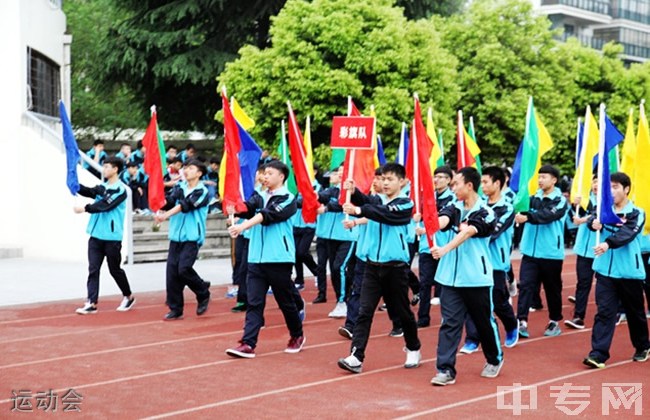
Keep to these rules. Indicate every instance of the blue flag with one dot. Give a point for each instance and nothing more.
(612, 138)
(581, 134)
(249, 157)
(402, 151)
(381, 157)
(516, 169)
(71, 151)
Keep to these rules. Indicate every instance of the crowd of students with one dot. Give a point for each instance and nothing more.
(370, 242)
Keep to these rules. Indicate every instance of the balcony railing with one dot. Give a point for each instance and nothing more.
(588, 41)
(621, 13)
(595, 6)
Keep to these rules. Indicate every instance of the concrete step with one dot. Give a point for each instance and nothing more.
(11, 253)
(145, 223)
(162, 256)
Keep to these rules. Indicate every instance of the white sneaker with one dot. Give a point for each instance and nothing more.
(435, 301)
(86, 309)
(351, 363)
(413, 358)
(512, 288)
(340, 311)
(126, 304)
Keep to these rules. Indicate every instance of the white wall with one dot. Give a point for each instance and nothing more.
(36, 209)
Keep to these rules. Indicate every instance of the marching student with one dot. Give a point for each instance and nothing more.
(427, 264)
(106, 227)
(340, 243)
(542, 246)
(584, 249)
(619, 277)
(466, 287)
(386, 273)
(271, 255)
(361, 256)
(303, 235)
(492, 181)
(187, 209)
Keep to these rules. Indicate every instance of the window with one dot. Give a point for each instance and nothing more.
(43, 84)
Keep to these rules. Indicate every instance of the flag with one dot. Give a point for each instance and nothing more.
(473, 146)
(403, 148)
(241, 117)
(249, 157)
(363, 167)
(642, 167)
(232, 194)
(436, 152)
(338, 157)
(441, 161)
(579, 138)
(304, 184)
(71, 151)
(309, 157)
(419, 171)
(153, 164)
(535, 144)
(608, 139)
(581, 185)
(284, 153)
(381, 157)
(629, 149)
(464, 155)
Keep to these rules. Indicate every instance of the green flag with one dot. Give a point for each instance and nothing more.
(283, 152)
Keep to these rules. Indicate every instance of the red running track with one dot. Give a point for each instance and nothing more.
(134, 365)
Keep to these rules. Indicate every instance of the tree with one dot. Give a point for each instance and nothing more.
(507, 53)
(325, 50)
(168, 51)
(106, 106)
(416, 9)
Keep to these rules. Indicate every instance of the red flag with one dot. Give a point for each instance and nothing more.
(364, 163)
(303, 182)
(422, 191)
(232, 194)
(153, 164)
(463, 154)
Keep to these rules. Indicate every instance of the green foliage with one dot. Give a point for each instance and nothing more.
(325, 50)
(416, 9)
(107, 106)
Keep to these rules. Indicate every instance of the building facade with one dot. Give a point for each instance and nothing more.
(596, 22)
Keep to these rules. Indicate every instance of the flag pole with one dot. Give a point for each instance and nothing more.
(601, 157)
(578, 153)
(348, 193)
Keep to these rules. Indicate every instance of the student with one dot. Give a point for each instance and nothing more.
(137, 181)
(138, 155)
(386, 273)
(340, 243)
(171, 153)
(106, 227)
(492, 180)
(361, 256)
(189, 153)
(303, 235)
(542, 246)
(271, 256)
(124, 153)
(584, 249)
(466, 288)
(619, 277)
(98, 154)
(174, 174)
(428, 265)
(187, 209)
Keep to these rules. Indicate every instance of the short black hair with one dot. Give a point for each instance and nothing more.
(198, 164)
(140, 144)
(175, 160)
(394, 168)
(215, 160)
(470, 174)
(378, 171)
(171, 146)
(132, 164)
(496, 174)
(190, 146)
(125, 144)
(621, 178)
(97, 142)
(444, 169)
(115, 163)
(277, 165)
(551, 170)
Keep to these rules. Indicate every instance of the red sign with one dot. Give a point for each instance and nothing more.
(352, 132)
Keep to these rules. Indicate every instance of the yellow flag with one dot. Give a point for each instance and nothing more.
(309, 154)
(244, 120)
(629, 149)
(642, 171)
(222, 176)
(436, 153)
(581, 186)
(545, 144)
(375, 144)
